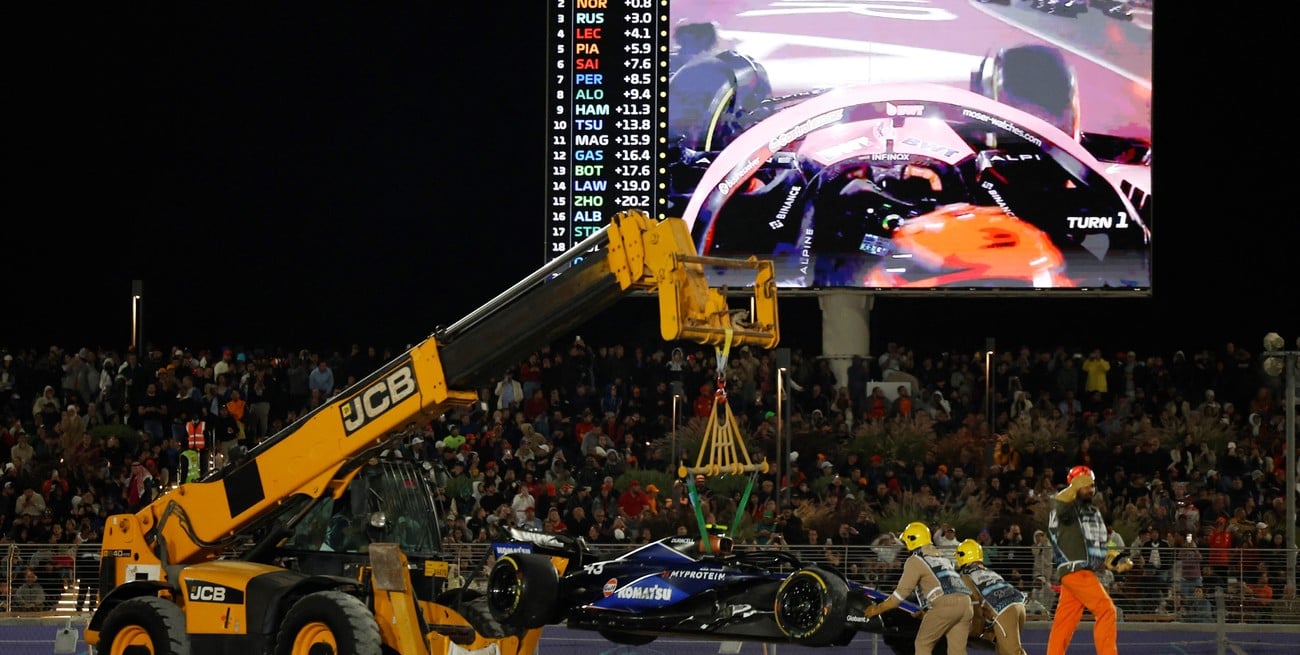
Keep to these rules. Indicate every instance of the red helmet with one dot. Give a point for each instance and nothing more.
(1076, 472)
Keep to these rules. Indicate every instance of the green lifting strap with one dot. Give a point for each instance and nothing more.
(744, 502)
(699, 514)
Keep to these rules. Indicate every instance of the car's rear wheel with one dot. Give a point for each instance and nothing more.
(522, 590)
(810, 606)
(711, 96)
(627, 639)
(1033, 78)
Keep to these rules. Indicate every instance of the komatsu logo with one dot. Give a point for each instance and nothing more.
(381, 396)
(205, 592)
(645, 593)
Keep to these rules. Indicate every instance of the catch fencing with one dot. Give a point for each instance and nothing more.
(1239, 586)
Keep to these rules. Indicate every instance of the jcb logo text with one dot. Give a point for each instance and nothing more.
(379, 397)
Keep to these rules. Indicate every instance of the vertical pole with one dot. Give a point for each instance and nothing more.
(1274, 354)
(137, 320)
(990, 346)
(781, 459)
(1292, 371)
(783, 406)
(676, 458)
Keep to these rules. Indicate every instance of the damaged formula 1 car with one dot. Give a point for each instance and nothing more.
(692, 588)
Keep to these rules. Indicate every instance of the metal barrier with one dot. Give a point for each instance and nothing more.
(1240, 586)
(23, 636)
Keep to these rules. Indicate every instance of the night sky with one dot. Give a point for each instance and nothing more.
(344, 173)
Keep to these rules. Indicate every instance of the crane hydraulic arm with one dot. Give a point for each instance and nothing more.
(433, 377)
(197, 523)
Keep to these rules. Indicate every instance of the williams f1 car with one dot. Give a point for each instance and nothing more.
(682, 587)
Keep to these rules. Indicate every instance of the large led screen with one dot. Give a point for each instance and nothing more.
(946, 145)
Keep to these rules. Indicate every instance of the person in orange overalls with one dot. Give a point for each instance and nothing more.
(1078, 535)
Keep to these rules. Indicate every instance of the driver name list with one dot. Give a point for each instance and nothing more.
(604, 114)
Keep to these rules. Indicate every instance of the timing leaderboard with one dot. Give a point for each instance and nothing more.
(607, 71)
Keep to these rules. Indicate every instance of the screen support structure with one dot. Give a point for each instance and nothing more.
(1274, 356)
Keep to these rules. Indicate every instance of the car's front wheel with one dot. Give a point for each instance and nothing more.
(522, 590)
(810, 606)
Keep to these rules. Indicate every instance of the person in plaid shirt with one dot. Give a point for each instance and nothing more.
(1078, 535)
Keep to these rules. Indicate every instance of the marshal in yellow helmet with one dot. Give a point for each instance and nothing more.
(969, 552)
(915, 535)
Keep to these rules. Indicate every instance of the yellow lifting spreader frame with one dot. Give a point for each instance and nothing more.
(651, 255)
(726, 450)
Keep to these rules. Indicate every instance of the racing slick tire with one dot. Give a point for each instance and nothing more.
(149, 624)
(328, 621)
(627, 639)
(810, 606)
(1033, 78)
(710, 97)
(522, 590)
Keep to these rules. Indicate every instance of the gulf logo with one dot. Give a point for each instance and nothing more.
(609, 587)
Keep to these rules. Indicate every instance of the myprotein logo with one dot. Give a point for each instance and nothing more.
(207, 592)
(382, 395)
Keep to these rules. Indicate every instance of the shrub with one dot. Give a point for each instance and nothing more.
(900, 438)
(968, 519)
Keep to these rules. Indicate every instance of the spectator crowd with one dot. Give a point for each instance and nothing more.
(585, 439)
